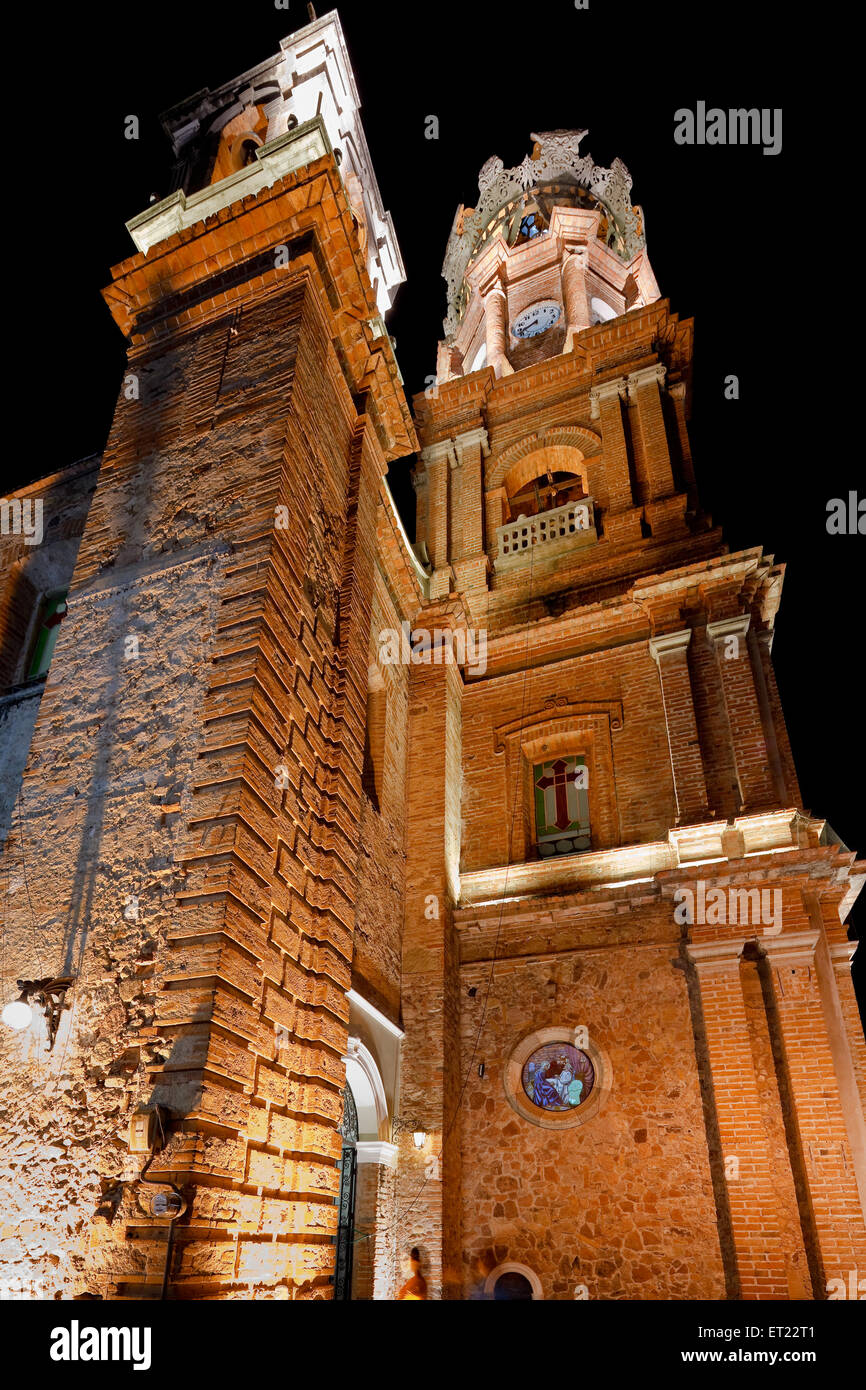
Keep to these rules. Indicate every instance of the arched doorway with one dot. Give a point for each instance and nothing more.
(512, 1281)
(348, 1180)
(512, 1286)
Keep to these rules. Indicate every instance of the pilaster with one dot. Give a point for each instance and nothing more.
(670, 653)
(751, 755)
(770, 1257)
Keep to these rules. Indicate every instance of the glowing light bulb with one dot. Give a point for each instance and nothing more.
(18, 1014)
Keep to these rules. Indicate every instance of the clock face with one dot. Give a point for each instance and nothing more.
(536, 319)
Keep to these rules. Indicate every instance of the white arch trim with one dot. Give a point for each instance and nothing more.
(368, 1089)
(512, 1267)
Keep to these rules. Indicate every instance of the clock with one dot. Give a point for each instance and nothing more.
(536, 319)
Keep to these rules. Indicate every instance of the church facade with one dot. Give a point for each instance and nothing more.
(366, 893)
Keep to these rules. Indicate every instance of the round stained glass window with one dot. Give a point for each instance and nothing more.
(558, 1076)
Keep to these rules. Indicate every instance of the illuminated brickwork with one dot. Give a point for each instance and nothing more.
(299, 884)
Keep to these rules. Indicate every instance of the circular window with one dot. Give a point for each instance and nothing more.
(557, 1077)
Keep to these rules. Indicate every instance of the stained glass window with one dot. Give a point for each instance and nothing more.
(562, 806)
(558, 1076)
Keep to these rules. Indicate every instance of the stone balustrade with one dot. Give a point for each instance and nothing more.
(554, 531)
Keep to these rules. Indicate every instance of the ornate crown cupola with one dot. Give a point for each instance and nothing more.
(553, 247)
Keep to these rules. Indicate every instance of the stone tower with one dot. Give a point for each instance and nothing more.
(191, 810)
(632, 1028)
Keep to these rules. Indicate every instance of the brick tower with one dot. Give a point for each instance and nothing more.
(366, 894)
(633, 893)
(190, 816)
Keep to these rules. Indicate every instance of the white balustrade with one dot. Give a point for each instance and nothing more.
(575, 519)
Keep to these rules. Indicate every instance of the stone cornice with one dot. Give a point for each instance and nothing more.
(669, 642)
(645, 376)
(604, 391)
(796, 945)
(468, 438)
(376, 1151)
(274, 160)
(736, 626)
(710, 956)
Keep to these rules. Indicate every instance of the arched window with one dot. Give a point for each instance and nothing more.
(511, 1280)
(542, 494)
(480, 359)
(601, 311)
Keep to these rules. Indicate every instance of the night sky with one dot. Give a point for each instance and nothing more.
(733, 237)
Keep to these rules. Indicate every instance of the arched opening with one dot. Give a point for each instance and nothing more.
(512, 1281)
(550, 489)
(512, 1286)
(600, 310)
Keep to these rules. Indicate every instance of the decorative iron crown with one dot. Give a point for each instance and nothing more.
(558, 160)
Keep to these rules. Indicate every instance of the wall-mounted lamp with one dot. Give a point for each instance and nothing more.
(49, 994)
(419, 1138)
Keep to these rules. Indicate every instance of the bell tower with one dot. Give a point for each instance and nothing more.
(552, 247)
(615, 1038)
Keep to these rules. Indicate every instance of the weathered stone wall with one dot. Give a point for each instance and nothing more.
(28, 573)
(622, 1204)
(106, 780)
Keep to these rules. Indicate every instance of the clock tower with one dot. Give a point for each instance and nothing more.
(630, 1031)
(553, 247)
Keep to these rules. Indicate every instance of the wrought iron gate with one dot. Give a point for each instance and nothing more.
(348, 1174)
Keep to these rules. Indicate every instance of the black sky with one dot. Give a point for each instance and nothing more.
(734, 237)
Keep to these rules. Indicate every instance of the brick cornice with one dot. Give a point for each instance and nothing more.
(202, 272)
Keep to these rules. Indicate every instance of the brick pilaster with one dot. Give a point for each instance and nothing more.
(429, 1177)
(622, 520)
(643, 391)
(770, 1256)
(751, 755)
(670, 653)
(467, 539)
(819, 1118)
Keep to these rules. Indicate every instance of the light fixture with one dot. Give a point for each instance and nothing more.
(18, 1014)
(49, 994)
(419, 1138)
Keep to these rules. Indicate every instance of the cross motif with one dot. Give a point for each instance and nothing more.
(559, 781)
